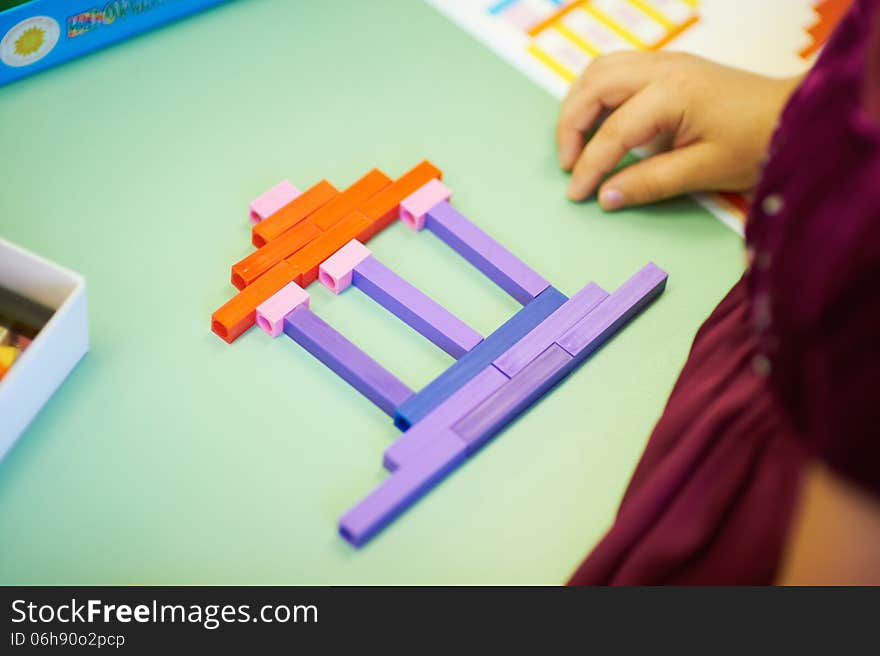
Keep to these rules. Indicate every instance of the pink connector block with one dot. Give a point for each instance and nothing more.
(415, 206)
(271, 313)
(336, 271)
(273, 200)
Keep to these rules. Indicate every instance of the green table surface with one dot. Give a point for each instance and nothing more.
(170, 457)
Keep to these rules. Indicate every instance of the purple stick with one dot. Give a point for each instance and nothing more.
(532, 345)
(553, 364)
(415, 308)
(402, 488)
(627, 300)
(421, 434)
(512, 399)
(500, 265)
(353, 365)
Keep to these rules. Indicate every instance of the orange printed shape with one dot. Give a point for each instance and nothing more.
(739, 201)
(382, 208)
(350, 199)
(267, 256)
(674, 32)
(307, 260)
(295, 211)
(536, 29)
(239, 313)
(828, 14)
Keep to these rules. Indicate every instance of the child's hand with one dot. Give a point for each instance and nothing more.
(719, 119)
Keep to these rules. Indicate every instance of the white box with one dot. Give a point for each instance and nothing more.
(62, 342)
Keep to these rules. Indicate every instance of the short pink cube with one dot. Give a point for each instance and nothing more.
(271, 313)
(335, 272)
(273, 200)
(415, 206)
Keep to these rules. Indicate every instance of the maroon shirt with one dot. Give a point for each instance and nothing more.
(785, 367)
(815, 282)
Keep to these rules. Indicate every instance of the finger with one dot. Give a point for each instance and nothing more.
(647, 114)
(581, 111)
(661, 176)
(605, 84)
(623, 59)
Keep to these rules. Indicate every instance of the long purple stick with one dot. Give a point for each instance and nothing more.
(402, 488)
(443, 416)
(532, 345)
(534, 380)
(511, 399)
(415, 308)
(499, 264)
(627, 300)
(353, 365)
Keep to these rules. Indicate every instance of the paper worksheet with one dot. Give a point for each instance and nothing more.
(551, 41)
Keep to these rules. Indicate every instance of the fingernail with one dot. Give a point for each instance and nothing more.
(611, 199)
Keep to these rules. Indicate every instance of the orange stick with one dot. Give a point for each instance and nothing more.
(307, 260)
(239, 313)
(295, 211)
(264, 258)
(382, 208)
(350, 199)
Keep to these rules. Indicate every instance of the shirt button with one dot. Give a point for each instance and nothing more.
(762, 313)
(761, 365)
(772, 204)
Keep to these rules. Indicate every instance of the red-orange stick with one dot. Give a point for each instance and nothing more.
(295, 211)
(350, 199)
(382, 208)
(308, 259)
(264, 258)
(239, 313)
